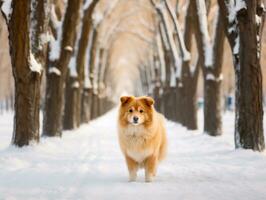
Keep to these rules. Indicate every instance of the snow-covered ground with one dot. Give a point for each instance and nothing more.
(87, 164)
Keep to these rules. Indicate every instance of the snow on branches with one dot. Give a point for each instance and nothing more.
(55, 40)
(203, 24)
(6, 9)
(185, 54)
(35, 66)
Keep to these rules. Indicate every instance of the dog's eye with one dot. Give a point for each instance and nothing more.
(130, 110)
(141, 111)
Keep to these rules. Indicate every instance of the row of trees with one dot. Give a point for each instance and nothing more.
(42, 36)
(66, 43)
(241, 22)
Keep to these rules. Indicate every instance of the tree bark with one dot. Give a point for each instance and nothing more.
(249, 107)
(54, 99)
(94, 103)
(211, 70)
(188, 91)
(86, 105)
(189, 104)
(81, 55)
(27, 74)
(246, 57)
(212, 86)
(71, 94)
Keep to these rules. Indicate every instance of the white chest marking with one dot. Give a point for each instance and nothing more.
(139, 156)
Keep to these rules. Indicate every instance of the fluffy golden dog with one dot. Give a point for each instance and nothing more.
(142, 135)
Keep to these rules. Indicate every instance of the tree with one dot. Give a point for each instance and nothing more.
(171, 59)
(190, 74)
(211, 62)
(84, 100)
(244, 23)
(27, 27)
(57, 71)
(76, 72)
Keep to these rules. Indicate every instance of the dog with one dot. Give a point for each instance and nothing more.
(142, 135)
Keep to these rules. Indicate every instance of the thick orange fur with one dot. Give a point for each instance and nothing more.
(144, 144)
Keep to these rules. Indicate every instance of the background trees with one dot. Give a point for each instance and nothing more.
(100, 49)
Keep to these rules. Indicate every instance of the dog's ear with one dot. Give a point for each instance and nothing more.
(125, 99)
(148, 101)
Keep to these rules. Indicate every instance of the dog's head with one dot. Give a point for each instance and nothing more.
(136, 110)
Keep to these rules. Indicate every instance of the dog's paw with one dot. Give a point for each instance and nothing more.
(132, 177)
(148, 178)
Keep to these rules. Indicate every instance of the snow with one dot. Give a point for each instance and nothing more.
(72, 67)
(7, 9)
(231, 10)
(202, 15)
(97, 18)
(185, 53)
(68, 48)
(159, 6)
(55, 48)
(210, 76)
(35, 66)
(172, 77)
(55, 71)
(45, 38)
(258, 20)
(239, 5)
(75, 84)
(220, 78)
(87, 3)
(192, 69)
(87, 83)
(237, 45)
(87, 164)
(55, 44)
(170, 39)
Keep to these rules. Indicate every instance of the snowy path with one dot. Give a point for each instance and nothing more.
(87, 164)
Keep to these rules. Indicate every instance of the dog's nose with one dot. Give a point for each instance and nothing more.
(135, 119)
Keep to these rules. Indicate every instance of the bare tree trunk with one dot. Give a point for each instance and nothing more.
(27, 82)
(94, 103)
(27, 62)
(189, 78)
(86, 105)
(244, 36)
(249, 108)
(54, 99)
(167, 106)
(82, 116)
(171, 59)
(189, 104)
(211, 62)
(178, 101)
(71, 94)
(213, 83)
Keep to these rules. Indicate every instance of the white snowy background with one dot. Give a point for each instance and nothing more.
(87, 164)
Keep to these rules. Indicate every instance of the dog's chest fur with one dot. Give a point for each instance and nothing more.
(139, 156)
(136, 142)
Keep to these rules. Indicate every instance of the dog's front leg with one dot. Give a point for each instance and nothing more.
(150, 168)
(132, 166)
